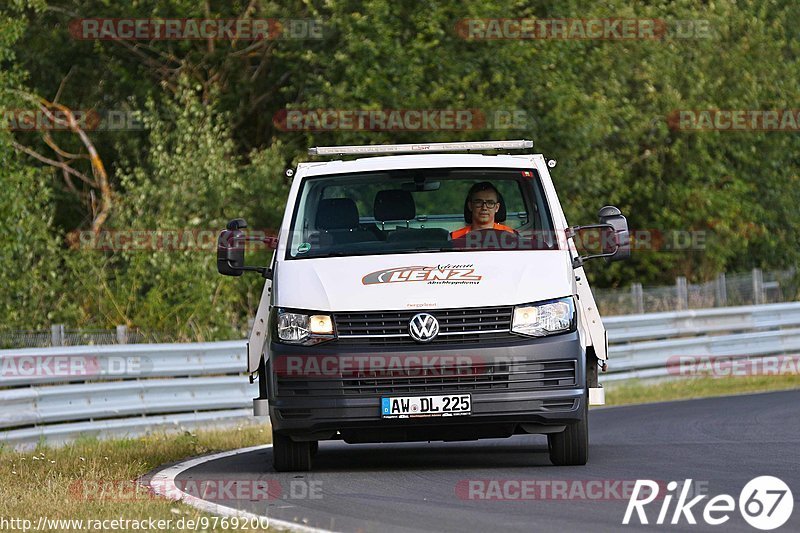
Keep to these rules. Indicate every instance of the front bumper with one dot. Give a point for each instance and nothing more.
(527, 386)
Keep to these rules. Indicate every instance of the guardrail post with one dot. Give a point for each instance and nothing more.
(758, 287)
(122, 334)
(682, 291)
(720, 291)
(638, 297)
(57, 335)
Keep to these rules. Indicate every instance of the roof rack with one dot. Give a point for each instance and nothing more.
(421, 147)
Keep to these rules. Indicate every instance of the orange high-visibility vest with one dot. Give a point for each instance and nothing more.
(457, 234)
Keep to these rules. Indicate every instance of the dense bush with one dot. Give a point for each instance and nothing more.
(209, 150)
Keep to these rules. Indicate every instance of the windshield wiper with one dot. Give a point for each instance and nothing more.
(418, 249)
(320, 256)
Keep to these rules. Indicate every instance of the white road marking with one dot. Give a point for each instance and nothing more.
(163, 484)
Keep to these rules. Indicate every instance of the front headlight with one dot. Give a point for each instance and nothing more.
(542, 319)
(299, 328)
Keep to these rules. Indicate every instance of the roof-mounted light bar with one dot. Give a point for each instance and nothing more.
(421, 148)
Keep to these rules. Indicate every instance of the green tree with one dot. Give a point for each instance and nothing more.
(30, 276)
(180, 193)
(210, 150)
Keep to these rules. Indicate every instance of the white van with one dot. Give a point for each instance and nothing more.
(435, 295)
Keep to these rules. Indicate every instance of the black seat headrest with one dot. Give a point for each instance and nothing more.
(394, 204)
(337, 213)
(500, 216)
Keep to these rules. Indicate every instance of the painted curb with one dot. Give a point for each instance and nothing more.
(163, 484)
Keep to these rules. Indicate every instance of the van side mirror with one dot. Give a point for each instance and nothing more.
(230, 248)
(616, 239)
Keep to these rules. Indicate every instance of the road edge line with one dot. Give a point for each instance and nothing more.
(163, 484)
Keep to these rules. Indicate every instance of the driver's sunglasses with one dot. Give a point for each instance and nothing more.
(480, 203)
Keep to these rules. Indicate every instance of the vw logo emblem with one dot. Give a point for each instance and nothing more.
(423, 327)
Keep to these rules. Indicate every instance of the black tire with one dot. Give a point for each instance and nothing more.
(290, 456)
(571, 446)
(314, 448)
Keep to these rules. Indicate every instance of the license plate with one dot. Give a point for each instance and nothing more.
(425, 406)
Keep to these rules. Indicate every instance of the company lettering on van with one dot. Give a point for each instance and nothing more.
(434, 275)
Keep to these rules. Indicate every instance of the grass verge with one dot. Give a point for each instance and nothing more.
(636, 391)
(62, 483)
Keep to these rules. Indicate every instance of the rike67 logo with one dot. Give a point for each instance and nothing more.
(765, 502)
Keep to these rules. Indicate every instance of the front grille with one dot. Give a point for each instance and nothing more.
(489, 377)
(384, 328)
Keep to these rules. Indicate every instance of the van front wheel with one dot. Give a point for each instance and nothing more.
(571, 446)
(291, 456)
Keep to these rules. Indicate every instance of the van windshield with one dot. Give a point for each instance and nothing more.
(430, 210)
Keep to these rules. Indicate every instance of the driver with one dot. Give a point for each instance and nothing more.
(480, 208)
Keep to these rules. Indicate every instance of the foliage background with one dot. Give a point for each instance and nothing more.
(209, 151)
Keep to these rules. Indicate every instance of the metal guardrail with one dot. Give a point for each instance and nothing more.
(124, 361)
(649, 345)
(628, 328)
(123, 427)
(61, 403)
(59, 394)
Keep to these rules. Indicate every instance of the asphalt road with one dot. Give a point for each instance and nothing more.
(721, 443)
